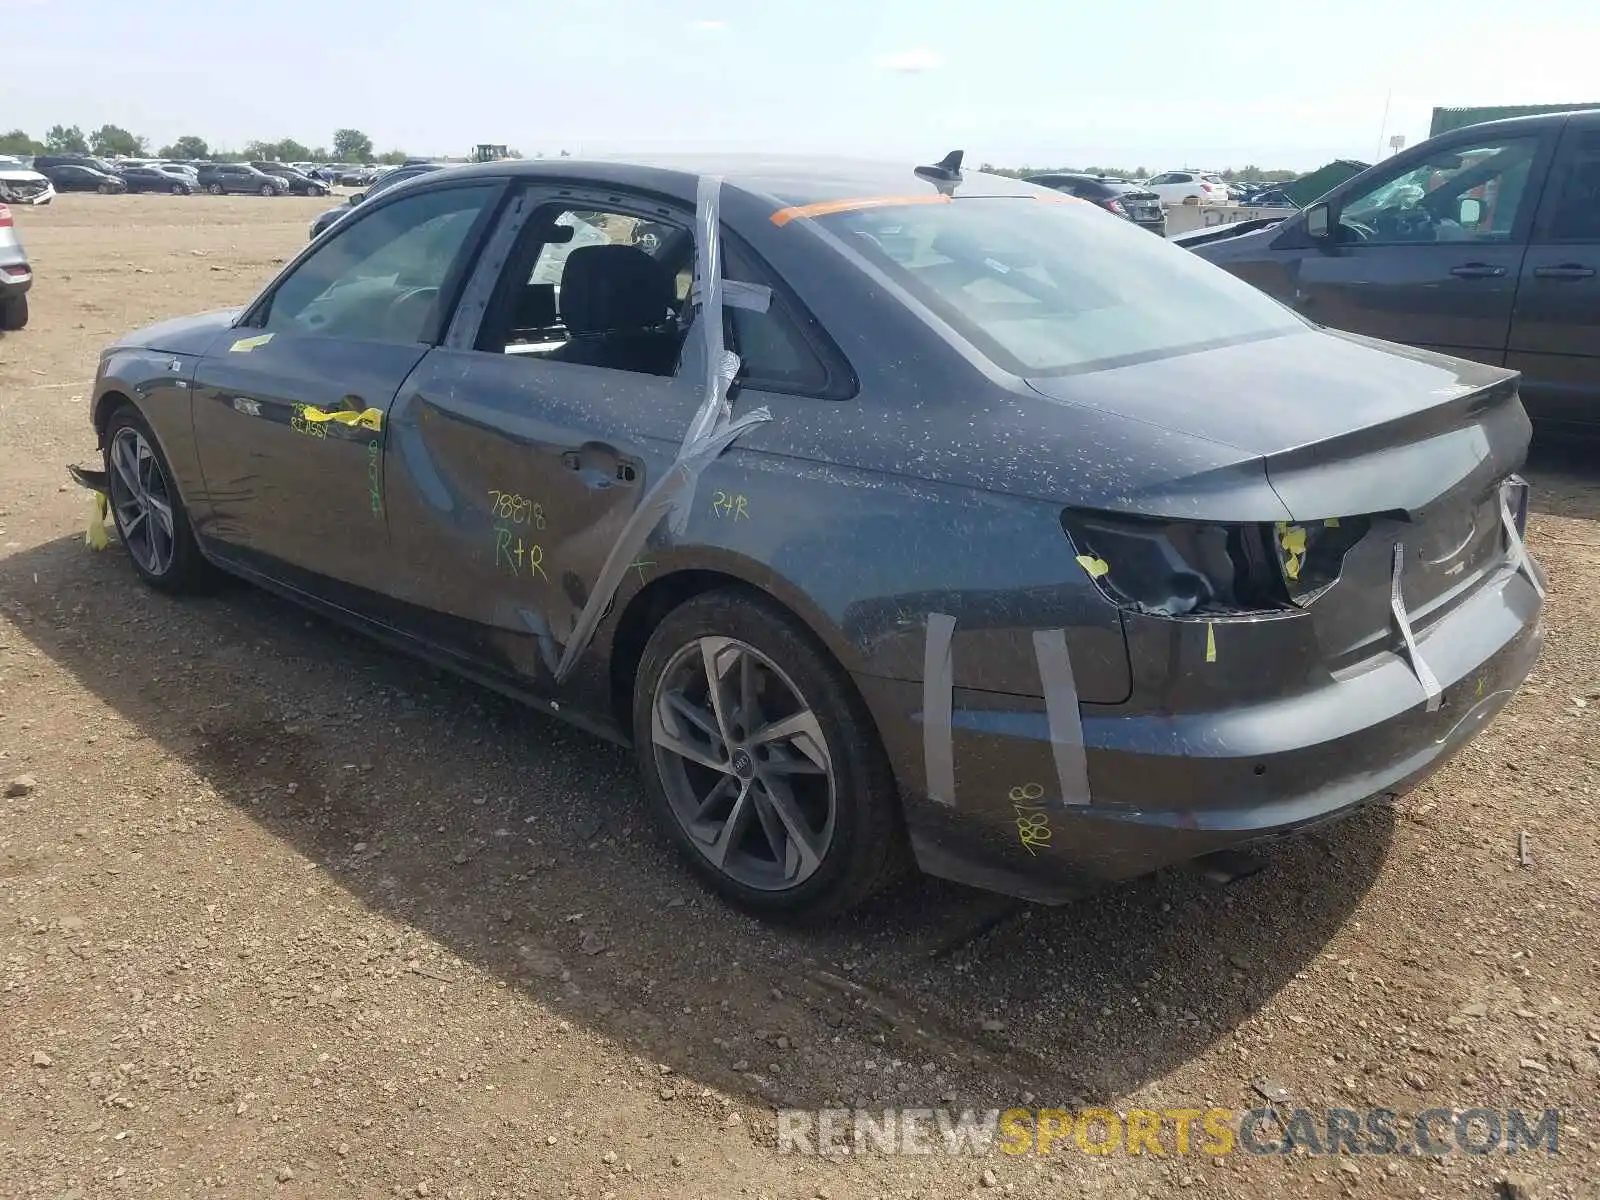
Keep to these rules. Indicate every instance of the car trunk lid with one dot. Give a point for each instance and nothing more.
(1377, 444)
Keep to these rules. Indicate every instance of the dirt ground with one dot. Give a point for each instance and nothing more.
(281, 913)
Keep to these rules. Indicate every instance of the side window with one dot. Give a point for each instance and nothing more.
(1573, 196)
(775, 353)
(379, 278)
(1167, 178)
(1472, 194)
(595, 287)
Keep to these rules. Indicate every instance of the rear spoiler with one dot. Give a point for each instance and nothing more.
(1219, 233)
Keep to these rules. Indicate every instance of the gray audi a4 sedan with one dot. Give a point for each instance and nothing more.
(891, 515)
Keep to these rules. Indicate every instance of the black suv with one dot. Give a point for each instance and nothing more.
(221, 178)
(300, 184)
(1128, 200)
(1483, 242)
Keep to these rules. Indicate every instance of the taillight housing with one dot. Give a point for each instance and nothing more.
(1170, 568)
(5, 216)
(1112, 204)
(1312, 553)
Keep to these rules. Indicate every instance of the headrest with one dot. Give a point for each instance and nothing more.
(613, 287)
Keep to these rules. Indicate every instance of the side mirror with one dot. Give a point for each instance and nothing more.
(358, 197)
(1317, 222)
(1469, 211)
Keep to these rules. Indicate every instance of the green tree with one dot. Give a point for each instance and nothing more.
(115, 142)
(352, 146)
(187, 147)
(392, 158)
(18, 142)
(290, 150)
(320, 154)
(62, 139)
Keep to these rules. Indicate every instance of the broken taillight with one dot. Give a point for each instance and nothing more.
(1311, 553)
(5, 216)
(1114, 205)
(1178, 568)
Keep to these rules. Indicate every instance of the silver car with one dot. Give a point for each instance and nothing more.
(16, 277)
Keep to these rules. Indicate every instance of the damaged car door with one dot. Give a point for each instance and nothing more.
(521, 447)
(290, 406)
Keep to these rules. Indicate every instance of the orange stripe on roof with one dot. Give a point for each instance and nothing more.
(825, 208)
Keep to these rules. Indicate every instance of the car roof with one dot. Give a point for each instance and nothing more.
(785, 180)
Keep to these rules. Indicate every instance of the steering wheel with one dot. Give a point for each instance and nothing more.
(408, 311)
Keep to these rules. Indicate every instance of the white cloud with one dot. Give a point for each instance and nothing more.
(911, 62)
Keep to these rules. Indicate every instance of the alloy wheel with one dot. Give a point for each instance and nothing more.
(744, 763)
(142, 501)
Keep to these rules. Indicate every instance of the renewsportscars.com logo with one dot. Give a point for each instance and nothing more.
(1210, 1132)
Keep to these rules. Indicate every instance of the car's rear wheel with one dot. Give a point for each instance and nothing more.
(150, 518)
(14, 312)
(760, 762)
(215, 189)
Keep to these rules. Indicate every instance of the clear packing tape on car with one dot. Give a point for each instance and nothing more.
(1062, 717)
(711, 432)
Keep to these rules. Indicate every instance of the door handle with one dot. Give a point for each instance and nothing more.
(1564, 271)
(1477, 271)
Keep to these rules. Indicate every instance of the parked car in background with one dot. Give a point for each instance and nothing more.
(42, 162)
(240, 178)
(1483, 242)
(16, 276)
(1130, 201)
(398, 175)
(1024, 545)
(300, 184)
(150, 179)
(1183, 187)
(71, 177)
(21, 184)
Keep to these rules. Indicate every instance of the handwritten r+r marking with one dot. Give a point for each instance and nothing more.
(730, 504)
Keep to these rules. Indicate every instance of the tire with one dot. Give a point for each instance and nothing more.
(841, 787)
(104, 189)
(14, 312)
(216, 189)
(180, 189)
(171, 563)
(268, 190)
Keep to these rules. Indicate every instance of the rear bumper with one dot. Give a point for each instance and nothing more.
(1170, 788)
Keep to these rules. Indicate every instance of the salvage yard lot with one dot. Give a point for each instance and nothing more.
(281, 912)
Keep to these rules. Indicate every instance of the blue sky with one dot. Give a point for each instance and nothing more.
(1158, 83)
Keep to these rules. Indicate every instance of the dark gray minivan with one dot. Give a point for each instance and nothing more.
(1483, 242)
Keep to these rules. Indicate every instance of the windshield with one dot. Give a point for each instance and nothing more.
(1054, 288)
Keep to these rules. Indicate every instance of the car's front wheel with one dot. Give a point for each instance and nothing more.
(268, 190)
(150, 518)
(180, 189)
(14, 312)
(760, 762)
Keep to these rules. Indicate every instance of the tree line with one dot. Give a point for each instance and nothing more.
(112, 141)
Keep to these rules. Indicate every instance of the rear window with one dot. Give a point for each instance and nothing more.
(1058, 288)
